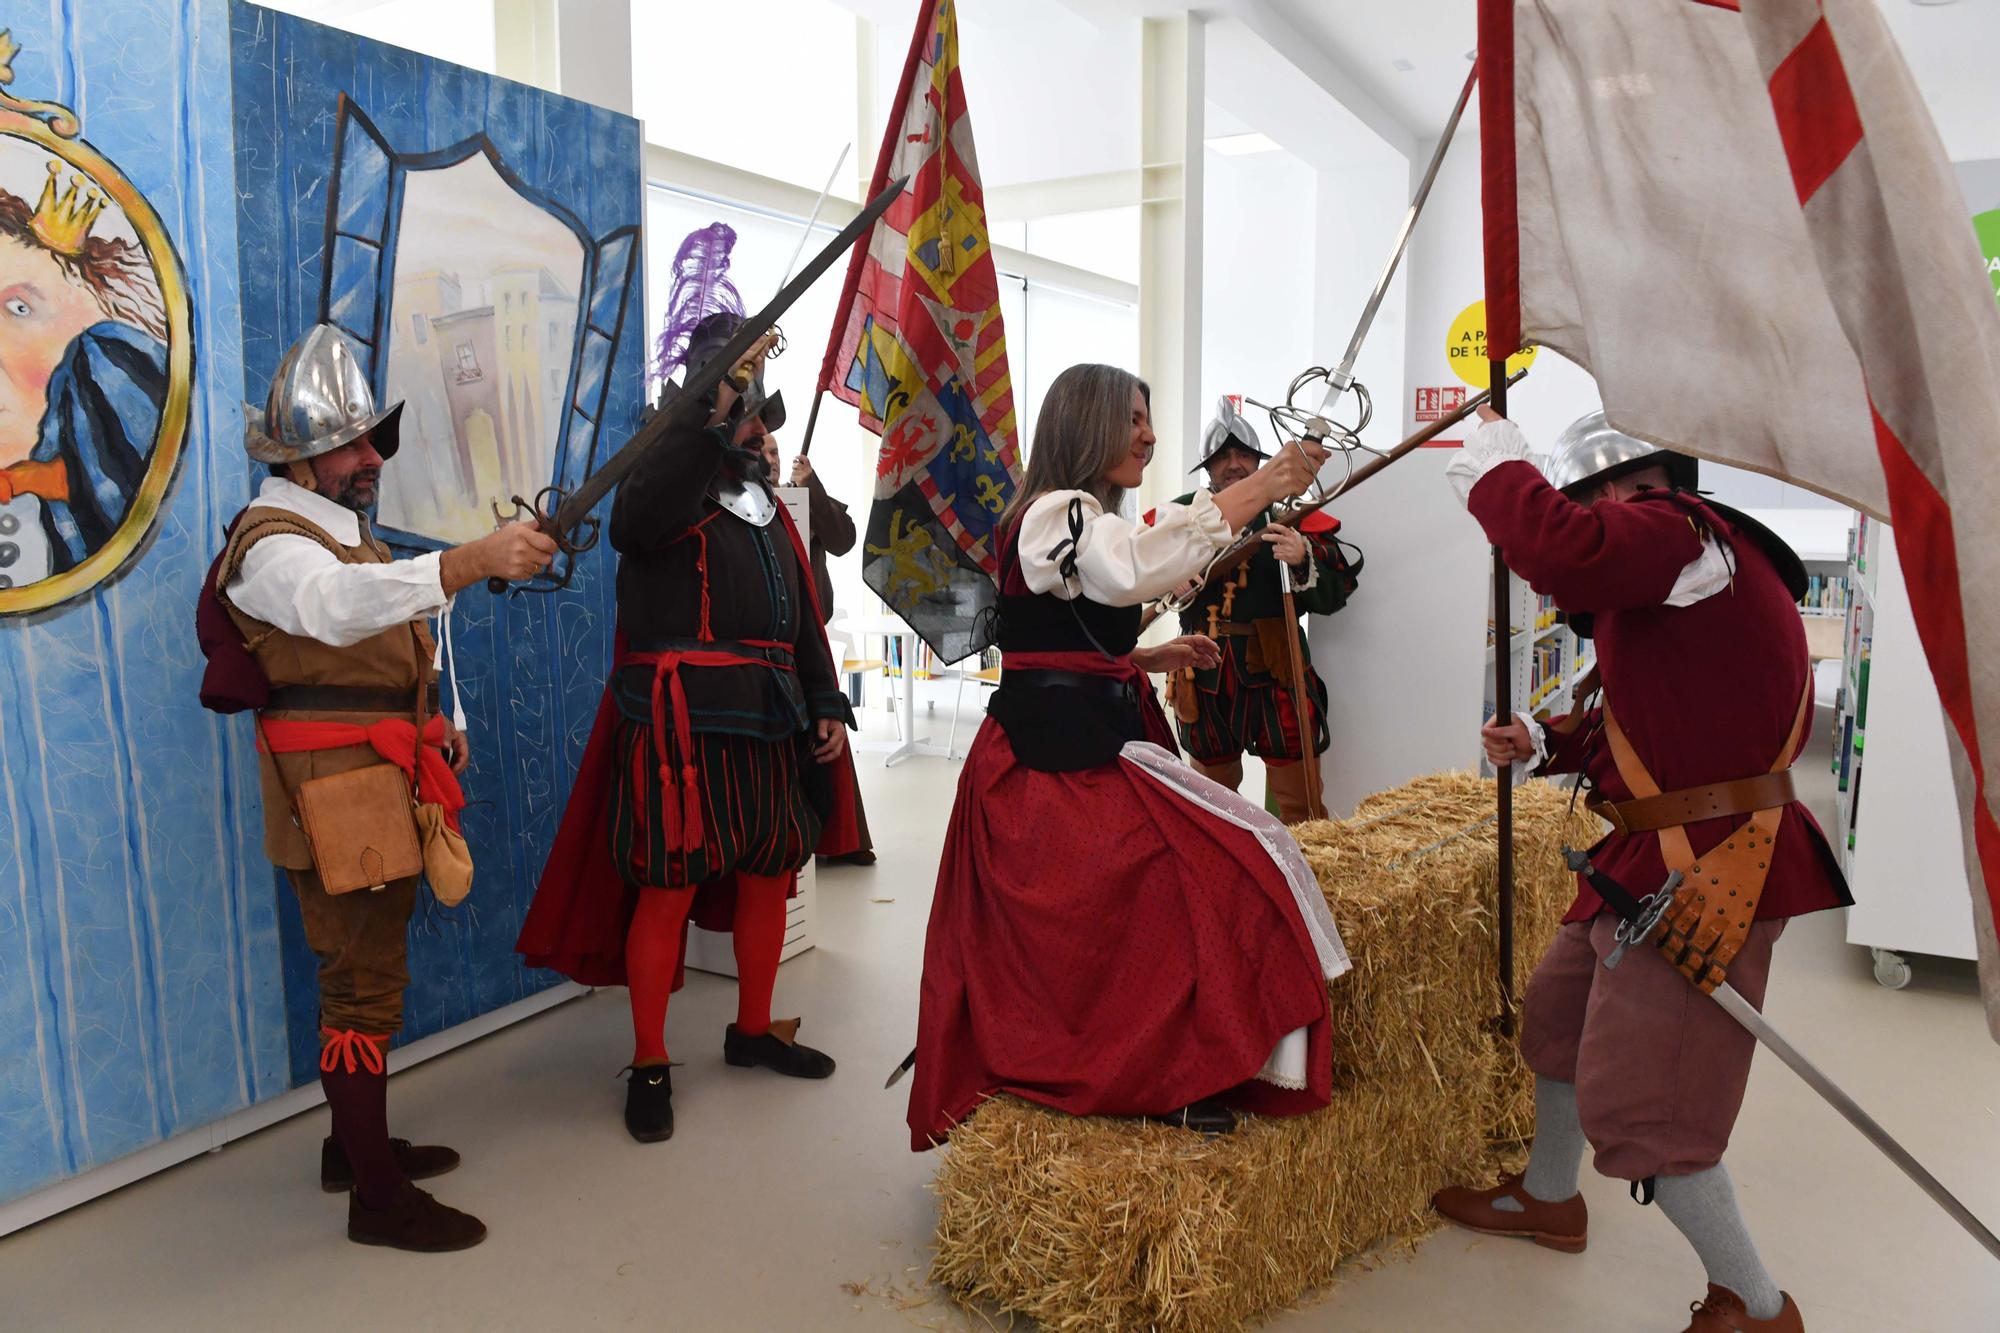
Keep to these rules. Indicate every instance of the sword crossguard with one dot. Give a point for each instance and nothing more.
(1652, 910)
(569, 543)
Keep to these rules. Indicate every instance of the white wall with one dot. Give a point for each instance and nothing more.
(1259, 248)
(1404, 661)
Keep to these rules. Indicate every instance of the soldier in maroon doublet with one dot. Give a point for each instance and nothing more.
(1706, 688)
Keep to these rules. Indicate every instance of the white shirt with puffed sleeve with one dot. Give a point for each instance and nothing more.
(1118, 562)
(299, 586)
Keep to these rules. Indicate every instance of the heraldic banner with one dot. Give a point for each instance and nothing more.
(1845, 338)
(918, 347)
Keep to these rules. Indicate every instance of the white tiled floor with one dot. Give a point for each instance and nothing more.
(777, 1202)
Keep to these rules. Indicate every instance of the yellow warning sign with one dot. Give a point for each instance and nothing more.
(1465, 348)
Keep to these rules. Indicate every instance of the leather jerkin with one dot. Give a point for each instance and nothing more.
(1719, 891)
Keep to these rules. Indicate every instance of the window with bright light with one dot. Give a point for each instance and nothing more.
(1105, 241)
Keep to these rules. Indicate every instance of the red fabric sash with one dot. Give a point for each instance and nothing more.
(582, 907)
(683, 813)
(394, 738)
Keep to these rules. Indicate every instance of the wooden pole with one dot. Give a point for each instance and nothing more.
(1503, 710)
(812, 420)
(1302, 696)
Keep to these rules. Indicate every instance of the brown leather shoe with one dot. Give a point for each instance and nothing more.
(413, 1221)
(417, 1161)
(1556, 1226)
(1721, 1311)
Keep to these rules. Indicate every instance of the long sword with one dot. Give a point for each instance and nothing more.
(1642, 921)
(813, 216)
(560, 515)
(1759, 1027)
(1342, 377)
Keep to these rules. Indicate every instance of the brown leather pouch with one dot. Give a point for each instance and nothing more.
(360, 828)
(1268, 649)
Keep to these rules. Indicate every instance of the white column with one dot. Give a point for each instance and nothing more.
(1172, 114)
(524, 42)
(594, 52)
(867, 107)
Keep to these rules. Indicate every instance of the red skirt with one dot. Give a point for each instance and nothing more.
(1102, 945)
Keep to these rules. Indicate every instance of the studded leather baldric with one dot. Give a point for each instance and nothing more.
(1719, 892)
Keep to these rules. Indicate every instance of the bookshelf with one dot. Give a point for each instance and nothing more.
(1547, 660)
(1902, 847)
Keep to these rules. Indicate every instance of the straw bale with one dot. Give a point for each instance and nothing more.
(1094, 1223)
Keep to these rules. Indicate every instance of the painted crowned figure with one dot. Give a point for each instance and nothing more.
(83, 377)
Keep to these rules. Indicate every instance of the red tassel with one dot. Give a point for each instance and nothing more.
(669, 809)
(691, 813)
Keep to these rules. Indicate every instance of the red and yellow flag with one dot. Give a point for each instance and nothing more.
(919, 348)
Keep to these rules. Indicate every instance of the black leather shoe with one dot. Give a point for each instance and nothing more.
(417, 1161)
(777, 1049)
(413, 1220)
(860, 858)
(649, 1104)
(1207, 1117)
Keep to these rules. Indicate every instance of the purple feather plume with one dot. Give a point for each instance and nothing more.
(701, 288)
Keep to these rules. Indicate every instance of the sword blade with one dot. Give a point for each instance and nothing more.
(1343, 374)
(688, 400)
(1759, 1027)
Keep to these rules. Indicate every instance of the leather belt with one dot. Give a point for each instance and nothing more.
(1691, 804)
(1039, 677)
(1231, 631)
(348, 699)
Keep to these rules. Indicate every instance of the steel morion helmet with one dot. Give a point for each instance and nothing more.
(320, 400)
(1230, 427)
(1589, 450)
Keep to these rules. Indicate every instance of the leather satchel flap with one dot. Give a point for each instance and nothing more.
(361, 828)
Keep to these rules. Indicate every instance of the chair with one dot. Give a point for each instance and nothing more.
(988, 676)
(853, 667)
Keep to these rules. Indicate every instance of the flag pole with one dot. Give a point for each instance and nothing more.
(891, 136)
(1503, 712)
(812, 419)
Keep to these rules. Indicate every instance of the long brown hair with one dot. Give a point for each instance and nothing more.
(114, 271)
(1084, 429)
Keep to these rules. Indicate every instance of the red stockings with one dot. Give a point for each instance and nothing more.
(653, 957)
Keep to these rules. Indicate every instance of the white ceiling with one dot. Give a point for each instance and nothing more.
(1949, 48)
(1364, 39)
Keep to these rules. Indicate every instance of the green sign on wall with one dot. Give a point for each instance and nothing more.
(1988, 226)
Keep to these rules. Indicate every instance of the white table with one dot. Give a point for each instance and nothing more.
(889, 627)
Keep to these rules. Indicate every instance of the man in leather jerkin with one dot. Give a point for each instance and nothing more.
(337, 627)
(1247, 702)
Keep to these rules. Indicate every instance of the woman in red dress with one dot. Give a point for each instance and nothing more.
(1113, 934)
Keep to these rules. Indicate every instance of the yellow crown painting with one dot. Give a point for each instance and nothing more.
(63, 222)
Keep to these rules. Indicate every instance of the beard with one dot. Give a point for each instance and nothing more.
(747, 466)
(359, 491)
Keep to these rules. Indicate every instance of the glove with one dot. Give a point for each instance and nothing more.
(1493, 443)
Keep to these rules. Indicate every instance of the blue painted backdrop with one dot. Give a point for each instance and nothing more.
(140, 985)
(152, 978)
(531, 667)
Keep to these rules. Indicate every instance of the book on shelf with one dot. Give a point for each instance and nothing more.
(1826, 595)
